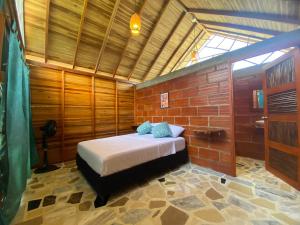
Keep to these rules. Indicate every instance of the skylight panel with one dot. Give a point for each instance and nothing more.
(226, 44)
(213, 43)
(259, 59)
(217, 45)
(209, 52)
(242, 64)
(274, 56)
(238, 44)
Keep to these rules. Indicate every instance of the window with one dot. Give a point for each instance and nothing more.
(217, 45)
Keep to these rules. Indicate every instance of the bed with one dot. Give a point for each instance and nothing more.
(111, 164)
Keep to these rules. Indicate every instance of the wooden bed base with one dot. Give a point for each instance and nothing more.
(105, 186)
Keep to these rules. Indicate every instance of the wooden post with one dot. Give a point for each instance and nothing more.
(116, 109)
(93, 107)
(62, 114)
(134, 104)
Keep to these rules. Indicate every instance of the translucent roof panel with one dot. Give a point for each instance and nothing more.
(209, 52)
(215, 41)
(274, 56)
(226, 44)
(259, 59)
(218, 45)
(242, 64)
(238, 44)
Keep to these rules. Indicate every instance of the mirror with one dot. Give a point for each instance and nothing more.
(258, 99)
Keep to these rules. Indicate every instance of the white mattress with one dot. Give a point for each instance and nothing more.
(110, 155)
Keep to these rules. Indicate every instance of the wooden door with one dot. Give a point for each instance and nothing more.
(282, 118)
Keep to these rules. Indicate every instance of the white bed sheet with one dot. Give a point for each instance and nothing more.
(110, 155)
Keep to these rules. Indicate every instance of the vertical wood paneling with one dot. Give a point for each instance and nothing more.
(85, 107)
(105, 104)
(93, 108)
(125, 94)
(78, 112)
(116, 107)
(46, 98)
(62, 113)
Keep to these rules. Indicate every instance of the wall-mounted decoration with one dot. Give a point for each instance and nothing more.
(164, 100)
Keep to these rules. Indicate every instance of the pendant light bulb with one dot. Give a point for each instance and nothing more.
(135, 24)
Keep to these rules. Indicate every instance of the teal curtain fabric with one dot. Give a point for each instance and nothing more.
(19, 143)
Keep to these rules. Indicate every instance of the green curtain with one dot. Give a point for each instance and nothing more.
(18, 136)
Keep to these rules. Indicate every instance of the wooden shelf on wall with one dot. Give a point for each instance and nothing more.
(210, 133)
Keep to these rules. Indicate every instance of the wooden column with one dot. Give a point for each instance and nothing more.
(62, 114)
(93, 107)
(47, 30)
(116, 109)
(134, 93)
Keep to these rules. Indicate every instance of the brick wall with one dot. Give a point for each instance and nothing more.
(249, 140)
(197, 101)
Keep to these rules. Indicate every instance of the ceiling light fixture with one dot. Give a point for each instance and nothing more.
(135, 23)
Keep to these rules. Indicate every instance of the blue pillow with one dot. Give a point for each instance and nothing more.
(161, 130)
(144, 128)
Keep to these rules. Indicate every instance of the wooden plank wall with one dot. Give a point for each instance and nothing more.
(84, 107)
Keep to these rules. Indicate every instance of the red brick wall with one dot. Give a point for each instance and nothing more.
(196, 101)
(249, 140)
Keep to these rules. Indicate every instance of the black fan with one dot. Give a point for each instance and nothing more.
(49, 130)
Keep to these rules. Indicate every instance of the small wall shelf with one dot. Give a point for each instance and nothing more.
(210, 133)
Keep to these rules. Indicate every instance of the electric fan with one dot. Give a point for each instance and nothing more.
(48, 130)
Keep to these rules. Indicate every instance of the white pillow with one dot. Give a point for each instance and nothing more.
(154, 124)
(176, 130)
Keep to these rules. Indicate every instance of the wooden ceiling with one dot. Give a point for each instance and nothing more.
(94, 36)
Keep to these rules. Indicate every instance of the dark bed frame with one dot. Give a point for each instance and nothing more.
(105, 186)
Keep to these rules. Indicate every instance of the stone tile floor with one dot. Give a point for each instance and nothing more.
(190, 195)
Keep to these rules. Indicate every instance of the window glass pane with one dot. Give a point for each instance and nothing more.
(226, 44)
(218, 45)
(274, 56)
(238, 44)
(206, 52)
(241, 65)
(215, 41)
(259, 59)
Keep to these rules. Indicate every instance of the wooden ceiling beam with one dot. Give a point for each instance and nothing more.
(51, 64)
(189, 49)
(107, 34)
(162, 12)
(177, 48)
(241, 27)
(214, 30)
(47, 29)
(164, 44)
(128, 41)
(80, 30)
(248, 15)
(185, 9)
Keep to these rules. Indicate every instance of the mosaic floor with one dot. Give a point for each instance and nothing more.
(190, 195)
